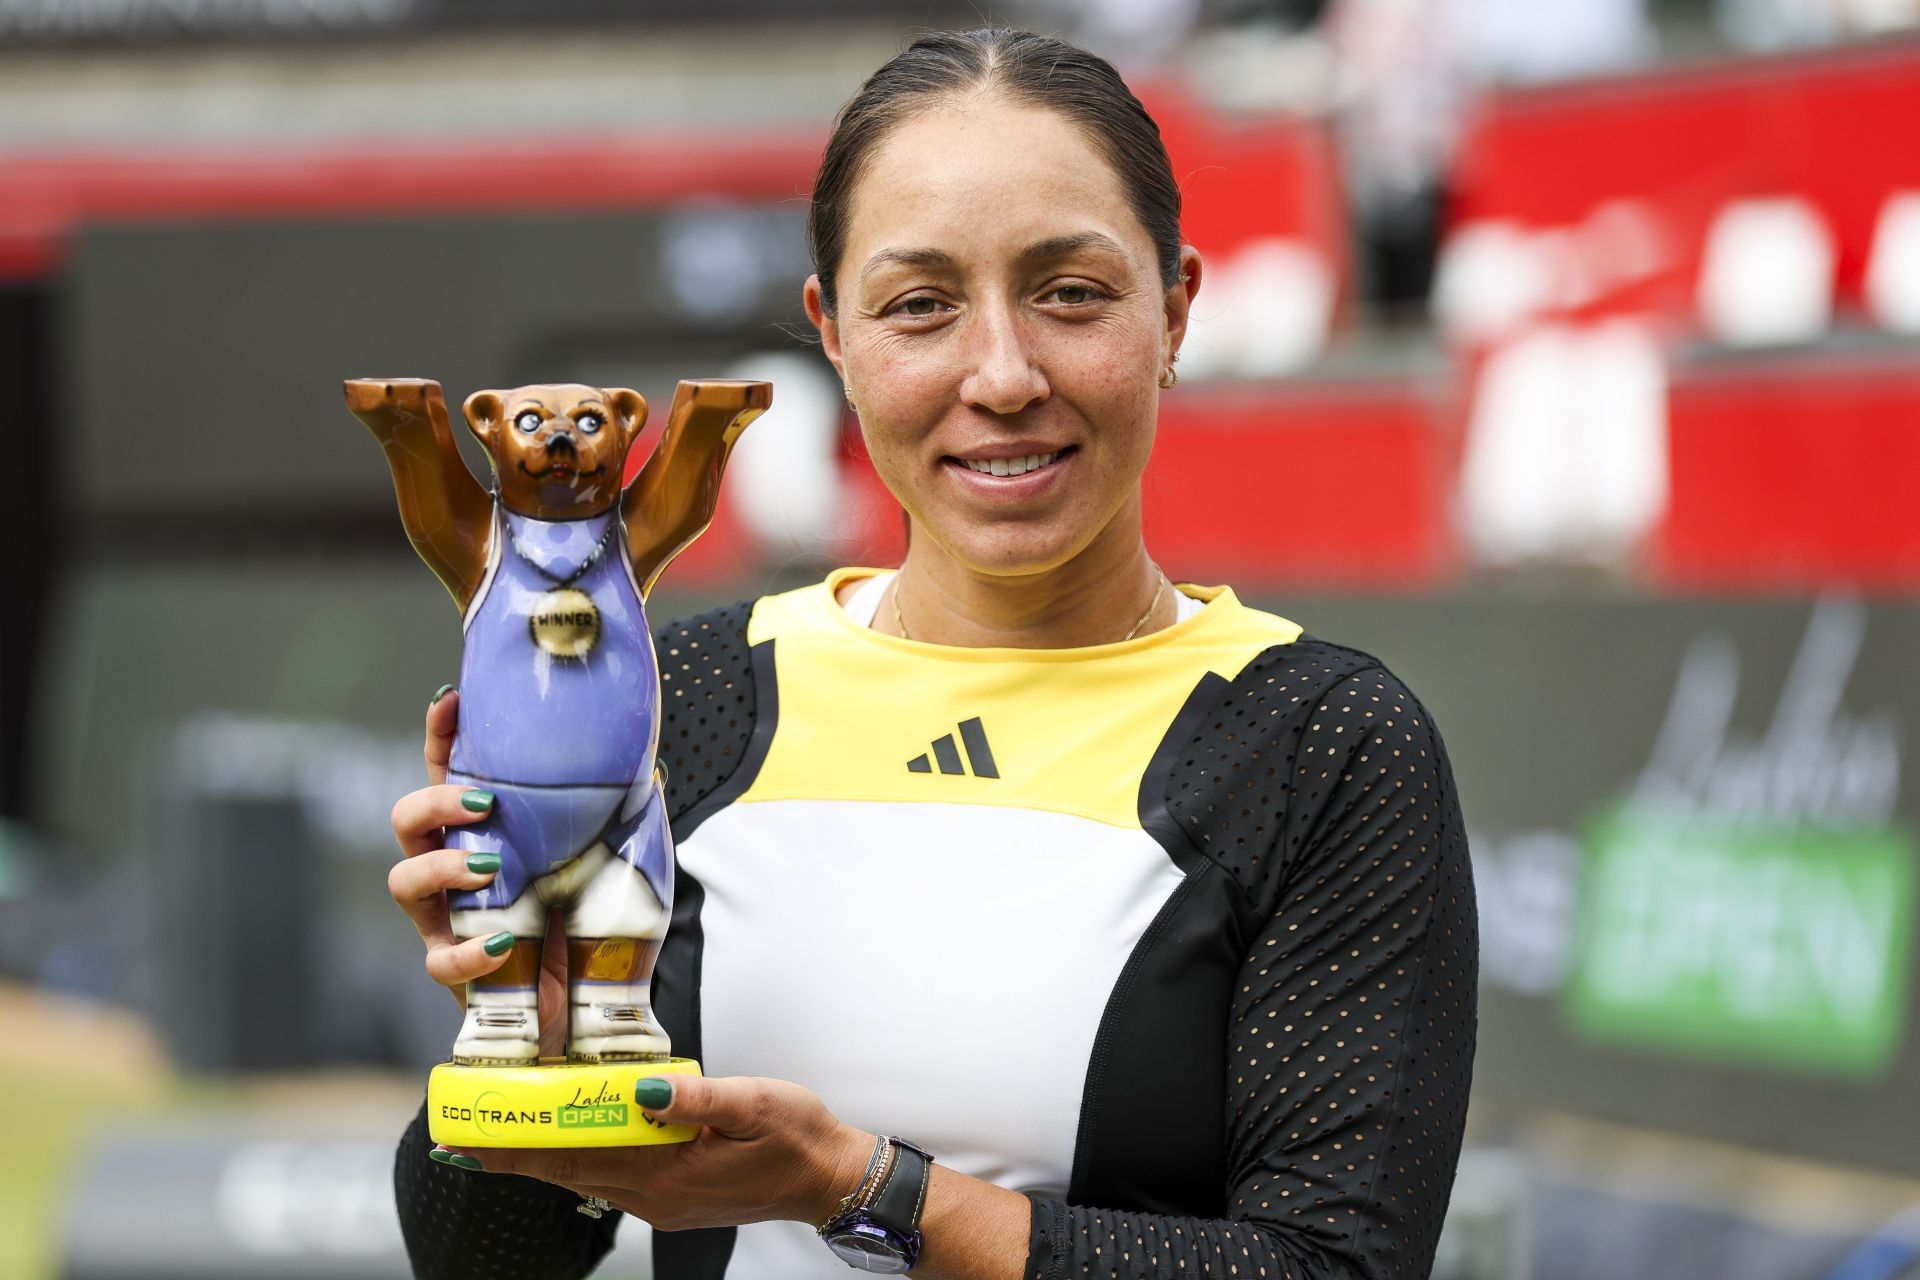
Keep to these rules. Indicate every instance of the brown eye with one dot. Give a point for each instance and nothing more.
(1075, 294)
(920, 307)
(528, 421)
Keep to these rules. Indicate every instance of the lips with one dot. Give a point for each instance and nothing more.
(1017, 478)
(1011, 462)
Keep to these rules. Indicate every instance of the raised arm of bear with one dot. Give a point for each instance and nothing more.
(448, 515)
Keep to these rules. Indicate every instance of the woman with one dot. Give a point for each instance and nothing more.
(1113, 893)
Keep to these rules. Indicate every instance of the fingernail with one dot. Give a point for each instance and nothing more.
(653, 1092)
(459, 1161)
(440, 1155)
(440, 693)
(476, 800)
(497, 945)
(483, 863)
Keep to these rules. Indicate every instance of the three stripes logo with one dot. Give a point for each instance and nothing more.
(947, 755)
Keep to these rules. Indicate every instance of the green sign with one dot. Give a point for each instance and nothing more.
(1780, 948)
(607, 1115)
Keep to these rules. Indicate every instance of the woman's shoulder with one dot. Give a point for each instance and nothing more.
(1305, 732)
(707, 700)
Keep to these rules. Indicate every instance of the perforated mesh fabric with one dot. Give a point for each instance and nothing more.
(1321, 786)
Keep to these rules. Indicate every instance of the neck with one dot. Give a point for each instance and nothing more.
(1094, 598)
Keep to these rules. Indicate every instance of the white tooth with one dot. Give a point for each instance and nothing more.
(999, 466)
(1030, 463)
(1047, 458)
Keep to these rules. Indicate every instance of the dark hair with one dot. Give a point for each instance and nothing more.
(1030, 69)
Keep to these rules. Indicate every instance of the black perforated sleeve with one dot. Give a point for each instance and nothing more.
(1322, 787)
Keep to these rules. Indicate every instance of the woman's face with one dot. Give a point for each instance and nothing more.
(998, 302)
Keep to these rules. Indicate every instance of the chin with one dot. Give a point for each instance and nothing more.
(1015, 551)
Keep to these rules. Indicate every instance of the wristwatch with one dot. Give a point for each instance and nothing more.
(877, 1228)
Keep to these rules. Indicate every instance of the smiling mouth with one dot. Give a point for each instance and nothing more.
(1014, 466)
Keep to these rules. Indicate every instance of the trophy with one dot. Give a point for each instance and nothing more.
(560, 720)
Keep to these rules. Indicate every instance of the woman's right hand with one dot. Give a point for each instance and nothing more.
(420, 880)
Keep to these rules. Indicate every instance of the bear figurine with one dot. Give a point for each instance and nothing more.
(559, 685)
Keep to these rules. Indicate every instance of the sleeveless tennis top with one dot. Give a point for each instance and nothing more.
(1173, 935)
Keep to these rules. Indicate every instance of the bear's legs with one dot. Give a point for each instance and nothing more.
(502, 1023)
(615, 923)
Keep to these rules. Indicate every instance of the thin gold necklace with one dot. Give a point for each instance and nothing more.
(1153, 604)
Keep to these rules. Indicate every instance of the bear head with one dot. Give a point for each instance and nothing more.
(558, 450)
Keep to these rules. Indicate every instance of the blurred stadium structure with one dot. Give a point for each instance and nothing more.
(1565, 355)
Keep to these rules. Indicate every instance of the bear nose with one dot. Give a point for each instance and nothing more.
(561, 440)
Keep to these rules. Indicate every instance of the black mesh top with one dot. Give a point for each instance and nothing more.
(1317, 989)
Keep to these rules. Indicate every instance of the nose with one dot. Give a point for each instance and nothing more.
(1005, 377)
(561, 439)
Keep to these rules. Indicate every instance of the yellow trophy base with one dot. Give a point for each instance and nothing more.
(563, 1105)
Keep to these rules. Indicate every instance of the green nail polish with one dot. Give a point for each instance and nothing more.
(653, 1093)
(476, 801)
(464, 1162)
(497, 945)
(483, 863)
(440, 1155)
(440, 693)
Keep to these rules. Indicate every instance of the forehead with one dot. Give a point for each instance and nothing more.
(558, 397)
(979, 174)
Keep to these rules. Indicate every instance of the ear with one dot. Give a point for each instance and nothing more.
(483, 410)
(1179, 299)
(822, 319)
(630, 407)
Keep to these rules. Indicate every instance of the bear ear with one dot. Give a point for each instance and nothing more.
(630, 405)
(483, 409)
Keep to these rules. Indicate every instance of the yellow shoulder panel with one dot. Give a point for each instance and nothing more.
(867, 716)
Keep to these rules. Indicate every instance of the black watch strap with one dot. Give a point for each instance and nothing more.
(897, 1204)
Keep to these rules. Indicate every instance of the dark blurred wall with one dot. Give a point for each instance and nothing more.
(40, 456)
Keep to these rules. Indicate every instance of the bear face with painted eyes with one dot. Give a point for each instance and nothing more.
(559, 686)
(558, 450)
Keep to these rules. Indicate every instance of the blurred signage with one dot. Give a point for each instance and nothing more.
(208, 1202)
(1752, 898)
(1778, 946)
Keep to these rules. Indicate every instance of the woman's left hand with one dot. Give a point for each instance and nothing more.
(767, 1150)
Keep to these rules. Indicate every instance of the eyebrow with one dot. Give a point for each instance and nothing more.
(1062, 246)
(906, 258)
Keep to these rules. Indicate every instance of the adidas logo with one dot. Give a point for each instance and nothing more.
(974, 735)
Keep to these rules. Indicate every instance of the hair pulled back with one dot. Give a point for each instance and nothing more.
(1033, 70)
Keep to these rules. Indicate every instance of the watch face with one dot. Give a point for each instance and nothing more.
(868, 1252)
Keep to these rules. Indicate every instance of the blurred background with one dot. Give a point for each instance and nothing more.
(1564, 354)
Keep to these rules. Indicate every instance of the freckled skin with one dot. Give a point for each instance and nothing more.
(990, 344)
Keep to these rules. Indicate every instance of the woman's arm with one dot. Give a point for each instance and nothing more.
(458, 1224)
(1351, 1036)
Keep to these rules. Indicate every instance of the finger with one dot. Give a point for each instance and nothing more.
(451, 963)
(737, 1106)
(418, 816)
(571, 1168)
(443, 716)
(419, 884)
